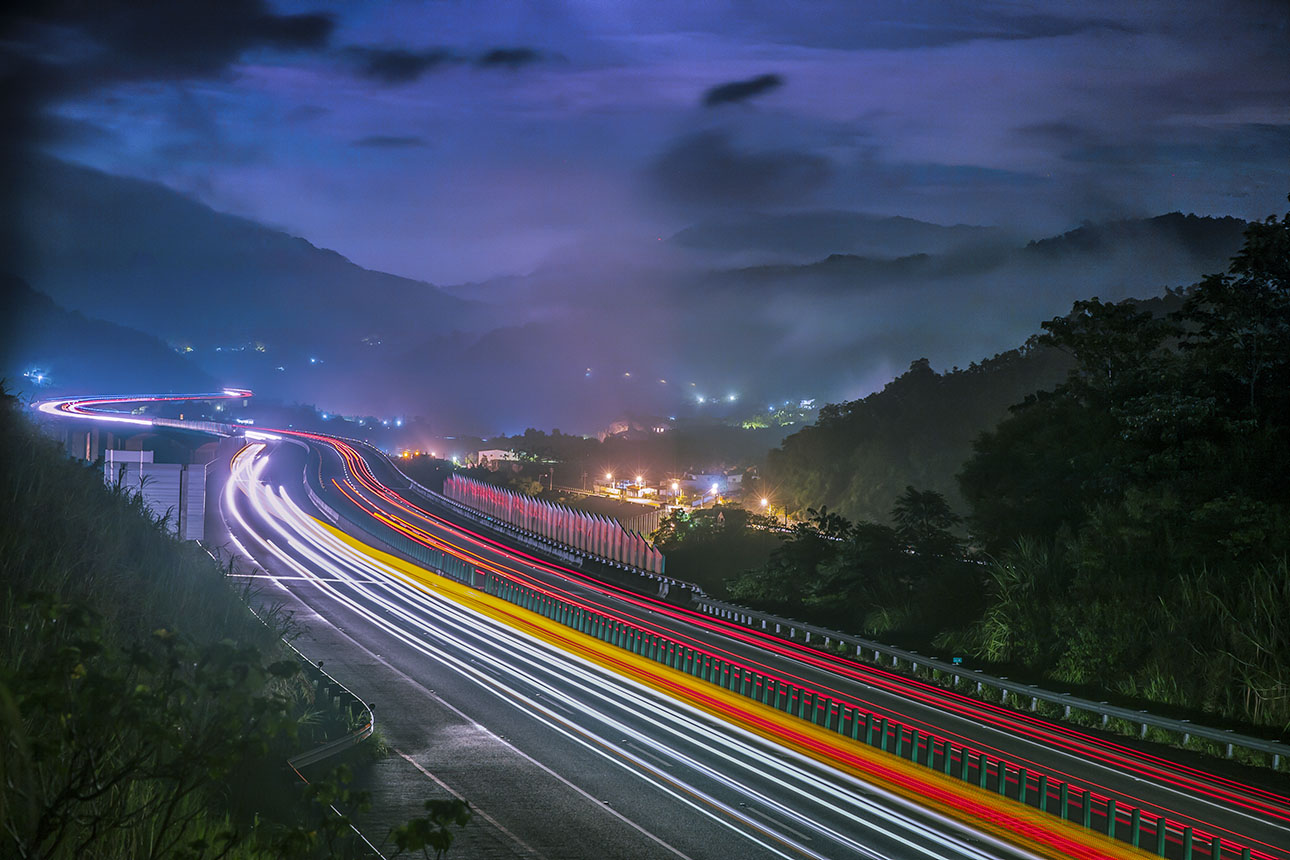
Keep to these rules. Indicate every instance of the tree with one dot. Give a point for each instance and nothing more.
(1237, 325)
(923, 522)
(793, 570)
(1110, 342)
(104, 746)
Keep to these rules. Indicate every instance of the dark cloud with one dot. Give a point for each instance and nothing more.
(105, 42)
(396, 65)
(400, 66)
(706, 168)
(388, 141)
(57, 50)
(738, 91)
(1040, 26)
(509, 58)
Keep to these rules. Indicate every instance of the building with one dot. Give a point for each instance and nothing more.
(172, 490)
(720, 483)
(496, 455)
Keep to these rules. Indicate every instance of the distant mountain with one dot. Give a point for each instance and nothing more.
(756, 238)
(77, 353)
(1116, 259)
(758, 309)
(851, 271)
(140, 254)
(1208, 241)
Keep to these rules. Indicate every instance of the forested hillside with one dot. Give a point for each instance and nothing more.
(144, 710)
(859, 456)
(1129, 527)
(1138, 515)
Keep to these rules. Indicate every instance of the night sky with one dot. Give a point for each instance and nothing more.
(457, 142)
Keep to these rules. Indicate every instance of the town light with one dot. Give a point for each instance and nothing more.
(765, 502)
(639, 480)
(609, 476)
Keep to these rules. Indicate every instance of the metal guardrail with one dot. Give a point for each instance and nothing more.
(350, 739)
(848, 719)
(937, 669)
(213, 427)
(325, 509)
(1005, 691)
(346, 741)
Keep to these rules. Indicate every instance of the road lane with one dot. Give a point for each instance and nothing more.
(610, 717)
(1245, 815)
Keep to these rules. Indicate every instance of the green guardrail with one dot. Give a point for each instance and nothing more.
(1068, 801)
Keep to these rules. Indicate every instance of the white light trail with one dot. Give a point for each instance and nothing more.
(511, 663)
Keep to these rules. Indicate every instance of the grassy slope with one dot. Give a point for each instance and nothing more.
(125, 652)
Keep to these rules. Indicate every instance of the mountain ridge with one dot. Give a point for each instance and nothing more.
(82, 354)
(87, 233)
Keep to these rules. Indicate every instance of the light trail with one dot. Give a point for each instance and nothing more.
(370, 497)
(518, 668)
(1226, 794)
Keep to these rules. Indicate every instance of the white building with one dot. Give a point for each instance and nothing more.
(172, 490)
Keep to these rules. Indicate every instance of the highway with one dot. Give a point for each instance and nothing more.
(728, 770)
(735, 782)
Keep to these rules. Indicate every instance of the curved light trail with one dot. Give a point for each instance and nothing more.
(599, 710)
(387, 588)
(1188, 781)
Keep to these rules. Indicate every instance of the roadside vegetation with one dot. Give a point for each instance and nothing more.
(1126, 529)
(145, 712)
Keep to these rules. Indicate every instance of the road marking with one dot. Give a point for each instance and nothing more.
(485, 730)
(658, 760)
(473, 807)
(302, 578)
(555, 703)
(775, 822)
(994, 734)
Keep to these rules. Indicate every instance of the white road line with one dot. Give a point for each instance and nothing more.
(474, 807)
